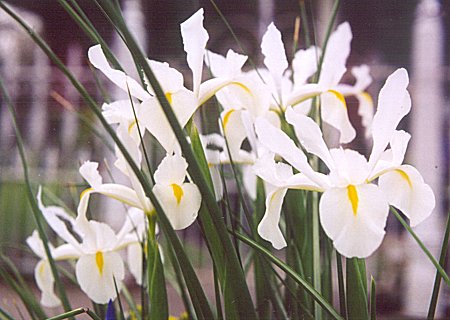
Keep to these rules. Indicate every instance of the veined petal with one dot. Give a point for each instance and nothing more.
(96, 273)
(180, 203)
(272, 48)
(334, 112)
(310, 136)
(119, 78)
(394, 103)
(405, 189)
(45, 282)
(195, 38)
(354, 217)
(269, 228)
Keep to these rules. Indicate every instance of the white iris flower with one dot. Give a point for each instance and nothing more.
(353, 210)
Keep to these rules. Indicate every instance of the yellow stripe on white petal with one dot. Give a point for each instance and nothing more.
(334, 112)
(180, 210)
(405, 189)
(354, 235)
(96, 275)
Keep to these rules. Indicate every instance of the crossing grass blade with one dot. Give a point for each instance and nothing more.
(240, 302)
(438, 267)
(289, 271)
(30, 194)
(437, 280)
(199, 298)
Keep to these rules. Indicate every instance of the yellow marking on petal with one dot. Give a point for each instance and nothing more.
(404, 176)
(169, 97)
(41, 269)
(353, 197)
(242, 86)
(130, 127)
(99, 261)
(210, 165)
(177, 192)
(340, 97)
(226, 118)
(367, 97)
(83, 193)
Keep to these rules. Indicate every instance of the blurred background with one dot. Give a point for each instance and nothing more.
(387, 34)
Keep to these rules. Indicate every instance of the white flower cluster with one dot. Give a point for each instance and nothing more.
(356, 192)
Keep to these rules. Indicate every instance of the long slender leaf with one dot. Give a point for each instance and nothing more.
(241, 301)
(5, 315)
(30, 194)
(159, 308)
(289, 271)
(340, 275)
(438, 267)
(437, 280)
(373, 300)
(76, 312)
(201, 303)
(357, 307)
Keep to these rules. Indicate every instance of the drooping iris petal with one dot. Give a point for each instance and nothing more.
(405, 189)
(195, 38)
(269, 228)
(119, 78)
(180, 203)
(354, 217)
(394, 102)
(334, 112)
(42, 272)
(45, 282)
(96, 273)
